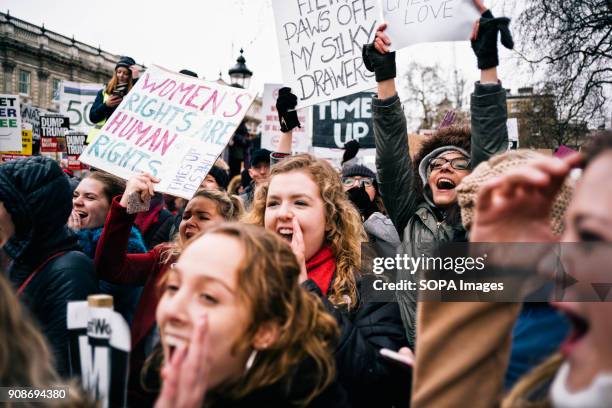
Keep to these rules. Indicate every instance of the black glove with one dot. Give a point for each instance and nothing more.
(485, 44)
(383, 65)
(360, 198)
(285, 105)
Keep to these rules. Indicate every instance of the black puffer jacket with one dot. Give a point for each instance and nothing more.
(369, 379)
(37, 195)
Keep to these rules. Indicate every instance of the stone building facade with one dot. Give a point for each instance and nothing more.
(35, 60)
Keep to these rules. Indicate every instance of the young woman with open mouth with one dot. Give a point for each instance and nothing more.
(115, 264)
(516, 207)
(238, 331)
(304, 203)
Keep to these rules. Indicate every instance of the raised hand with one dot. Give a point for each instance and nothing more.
(515, 207)
(299, 249)
(287, 115)
(113, 100)
(143, 184)
(484, 37)
(377, 58)
(74, 221)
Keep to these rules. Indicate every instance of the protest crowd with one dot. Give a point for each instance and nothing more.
(247, 287)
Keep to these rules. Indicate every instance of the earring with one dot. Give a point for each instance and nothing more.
(251, 360)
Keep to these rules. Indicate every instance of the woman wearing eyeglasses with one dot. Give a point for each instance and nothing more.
(360, 184)
(420, 195)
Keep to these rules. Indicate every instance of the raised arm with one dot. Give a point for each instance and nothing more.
(287, 117)
(393, 164)
(488, 107)
(487, 324)
(112, 261)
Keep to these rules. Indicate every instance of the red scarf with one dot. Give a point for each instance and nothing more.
(321, 268)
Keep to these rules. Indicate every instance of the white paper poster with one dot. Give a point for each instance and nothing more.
(10, 123)
(320, 46)
(421, 21)
(171, 125)
(270, 127)
(513, 135)
(76, 99)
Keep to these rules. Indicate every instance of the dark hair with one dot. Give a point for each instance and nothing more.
(113, 186)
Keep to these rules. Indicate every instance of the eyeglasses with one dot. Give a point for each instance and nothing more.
(458, 163)
(351, 181)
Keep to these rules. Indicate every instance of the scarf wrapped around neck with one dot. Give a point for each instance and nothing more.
(321, 268)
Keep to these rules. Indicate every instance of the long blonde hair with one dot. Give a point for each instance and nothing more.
(269, 287)
(343, 227)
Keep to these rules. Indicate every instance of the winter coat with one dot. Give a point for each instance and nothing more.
(125, 297)
(99, 111)
(369, 379)
(116, 265)
(447, 369)
(248, 195)
(537, 334)
(37, 195)
(382, 235)
(415, 219)
(292, 387)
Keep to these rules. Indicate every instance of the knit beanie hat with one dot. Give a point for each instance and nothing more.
(358, 170)
(467, 191)
(440, 151)
(125, 62)
(220, 176)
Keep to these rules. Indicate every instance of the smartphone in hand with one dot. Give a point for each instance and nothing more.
(120, 90)
(407, 361)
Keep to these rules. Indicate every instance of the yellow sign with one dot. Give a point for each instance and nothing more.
(26, 144)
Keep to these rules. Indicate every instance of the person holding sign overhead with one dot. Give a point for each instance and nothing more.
(111, 96)
(421, 198)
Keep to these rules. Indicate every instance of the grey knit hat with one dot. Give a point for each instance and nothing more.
(357, 170)
(423, 165)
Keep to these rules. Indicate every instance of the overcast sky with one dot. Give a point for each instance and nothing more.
(206, 35)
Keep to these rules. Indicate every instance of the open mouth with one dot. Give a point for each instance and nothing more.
(190, 233)
(580, 327)
(81, 214)
(173, 344)
(285, 233)
(444, 183)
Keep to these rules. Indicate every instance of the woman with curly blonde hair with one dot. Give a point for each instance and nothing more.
(305, 204)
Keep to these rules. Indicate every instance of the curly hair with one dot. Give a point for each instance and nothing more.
(270, 289)
(343, 227)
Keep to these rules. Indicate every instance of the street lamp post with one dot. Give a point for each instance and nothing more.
(240, 75)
